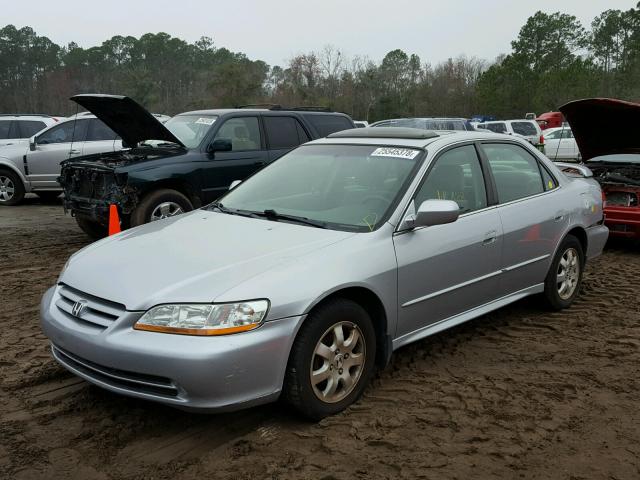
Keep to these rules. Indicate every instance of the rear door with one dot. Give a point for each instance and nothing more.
(283, 133)
(53, 147)
(445, 270)
(248, 154)
(531, 217)
(100, 138)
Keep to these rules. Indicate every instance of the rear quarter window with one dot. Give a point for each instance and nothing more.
(30, 127)
(328, 124)
(5, 125)
(524, 128)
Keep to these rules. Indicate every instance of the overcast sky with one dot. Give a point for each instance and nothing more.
(275, 30)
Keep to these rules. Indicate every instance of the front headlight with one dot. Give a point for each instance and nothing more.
(204, 319)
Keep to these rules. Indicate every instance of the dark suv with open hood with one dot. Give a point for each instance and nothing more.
(187, 162)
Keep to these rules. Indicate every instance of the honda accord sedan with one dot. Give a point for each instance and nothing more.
(302, 280)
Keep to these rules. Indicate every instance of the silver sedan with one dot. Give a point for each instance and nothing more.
(303, 279)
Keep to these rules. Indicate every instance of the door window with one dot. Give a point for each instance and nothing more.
(328, 124)
(515, 170)
(67, 132)
(5, 126)
(456, 176)
(284, 132)
(29, 128)
(496, 127)
(99, 131)
(242, 132)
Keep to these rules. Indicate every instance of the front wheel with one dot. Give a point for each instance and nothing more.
(92, 228)
(158, 205)
(332, 359)
(562, 285)
(11, 188)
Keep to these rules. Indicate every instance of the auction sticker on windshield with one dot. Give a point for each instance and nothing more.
(206, 121)
(408, 153)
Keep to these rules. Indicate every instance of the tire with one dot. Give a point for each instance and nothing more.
(319, 327)
(11, 188)
(147, 209)
(48, 196)
(571, 254)
(92, 228)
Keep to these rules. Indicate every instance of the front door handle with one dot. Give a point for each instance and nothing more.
(490, 237)
(74, 152)
(559, 216)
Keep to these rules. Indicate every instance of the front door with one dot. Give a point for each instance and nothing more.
(445, 270)
(248, 154)
(53, 147)
(100, 139)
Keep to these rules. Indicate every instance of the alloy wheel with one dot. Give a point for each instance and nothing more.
(568, 273)
(7, 189)
(338, 362)
(166, 210)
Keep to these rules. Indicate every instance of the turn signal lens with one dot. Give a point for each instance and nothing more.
(204, 319)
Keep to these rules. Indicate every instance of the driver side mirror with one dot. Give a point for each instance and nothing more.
(220, 145)
(32, 144)
(432, 212)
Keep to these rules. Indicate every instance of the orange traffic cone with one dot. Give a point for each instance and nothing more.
(114, 220)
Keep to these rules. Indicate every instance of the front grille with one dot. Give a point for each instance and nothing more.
(131, 381)
(96, 311)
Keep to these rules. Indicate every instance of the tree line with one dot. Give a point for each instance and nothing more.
(554, 59)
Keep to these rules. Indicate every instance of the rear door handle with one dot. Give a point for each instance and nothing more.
(489, 237)
(559, 216)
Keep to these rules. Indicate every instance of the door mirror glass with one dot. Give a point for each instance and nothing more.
(433, 212)
(234, 184)
(220, 145)
(32, 144)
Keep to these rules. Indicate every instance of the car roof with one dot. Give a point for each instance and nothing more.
(224, 111)
(25, 116)
(400, 140)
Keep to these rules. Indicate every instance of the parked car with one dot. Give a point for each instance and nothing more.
(612, 156)
(14, 128)
(163, 118)
(33, 165)
(550, 120)
(361, 123)
(427, 123)
(526, 129)
(306, 276)
(559, 144)
(187, 162)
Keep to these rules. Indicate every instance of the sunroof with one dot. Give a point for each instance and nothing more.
(385, 132)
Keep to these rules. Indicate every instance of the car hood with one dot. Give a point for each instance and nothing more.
(604, 126)
(128, 119)
(194, 257)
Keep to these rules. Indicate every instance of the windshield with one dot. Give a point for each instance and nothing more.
(190, 129)
(346, 187)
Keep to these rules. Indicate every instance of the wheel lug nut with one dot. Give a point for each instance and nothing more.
(340, 371)
(337, 350)
(330, 367)
(346, 355)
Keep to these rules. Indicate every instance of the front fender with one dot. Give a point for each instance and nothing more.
(10, 165)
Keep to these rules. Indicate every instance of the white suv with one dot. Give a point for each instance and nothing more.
(527, 129)
(33, 165)
(16, 128)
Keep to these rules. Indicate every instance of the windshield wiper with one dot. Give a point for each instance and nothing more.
(231, 211)
(271, 214)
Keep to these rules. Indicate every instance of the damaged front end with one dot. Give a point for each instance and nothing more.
(93, 183)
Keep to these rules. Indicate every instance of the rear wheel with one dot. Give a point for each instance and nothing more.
(562, 285)
(11, 188)
(92, 228)
(332, 359)
(159, 205)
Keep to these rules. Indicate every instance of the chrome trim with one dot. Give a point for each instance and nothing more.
(474, 280)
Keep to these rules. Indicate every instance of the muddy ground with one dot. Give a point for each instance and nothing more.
(520, 393)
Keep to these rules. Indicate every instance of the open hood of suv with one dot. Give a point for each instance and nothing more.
(128, 119)
(604, 126)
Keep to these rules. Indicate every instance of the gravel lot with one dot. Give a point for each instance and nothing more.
(519, 393)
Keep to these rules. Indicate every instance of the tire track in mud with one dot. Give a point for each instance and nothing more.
(519, 393)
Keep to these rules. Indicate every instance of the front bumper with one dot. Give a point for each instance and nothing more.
(202, 373)
(623, 221)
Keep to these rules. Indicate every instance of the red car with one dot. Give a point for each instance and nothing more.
(550, 120)
(607, 132)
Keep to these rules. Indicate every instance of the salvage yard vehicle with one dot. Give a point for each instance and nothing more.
(427, 123)
(306, 276)
(614, 157)
(559, 144)
(16, 127)
(527, 129)
(34, 165)
(190, 161)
